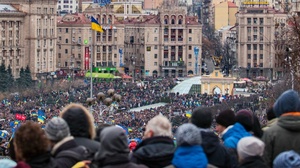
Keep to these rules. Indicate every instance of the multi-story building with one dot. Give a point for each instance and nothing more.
(12, 38)
(67, 6)
(255, 41)
(29, 35)
(73, 31)
(224, 14)
(167, 44)
(152, 4)
(109, 45)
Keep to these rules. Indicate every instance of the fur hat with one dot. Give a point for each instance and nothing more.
(188, 135)
(226, 118)
(57, 129)
(288, 101)
(202, 117)
(250, 146)
(245, 117)
(287, 159)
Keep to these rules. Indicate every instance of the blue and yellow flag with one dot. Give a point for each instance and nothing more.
(188, 114)
(95, 25)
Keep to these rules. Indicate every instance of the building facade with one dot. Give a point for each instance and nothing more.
(109, 45)
(224, 14)
(167, 44)
(68, 6)
(34, 42)
(73, 31)
(255, 41)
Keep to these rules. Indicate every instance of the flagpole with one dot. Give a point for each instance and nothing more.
(91, 68)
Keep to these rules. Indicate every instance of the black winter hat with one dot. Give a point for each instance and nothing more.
(245, 118)
(226, 118)
(202, 117)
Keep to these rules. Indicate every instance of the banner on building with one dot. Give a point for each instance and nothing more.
(87, 58)
(121, 57)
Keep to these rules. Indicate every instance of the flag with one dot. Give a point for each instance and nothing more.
(129, 129)
(3, 134)
(41, 119)
(21, 117)
(95, 25)
(188, 114)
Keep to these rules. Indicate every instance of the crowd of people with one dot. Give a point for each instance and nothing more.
(237, 140)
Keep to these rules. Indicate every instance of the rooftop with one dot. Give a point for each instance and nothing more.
(185, 86)
(4, 8)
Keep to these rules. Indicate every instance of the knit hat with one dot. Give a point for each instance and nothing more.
(188, 135)
(245, 117)
(287, 159)
(250, 146)
(226, 118)
(288, 101)
(7, 163)
(57, 129)
(202, 117)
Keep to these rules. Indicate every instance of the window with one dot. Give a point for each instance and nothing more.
(190, 30)
(255, 56)
(249, 56)
(190, 64)
(67, 41)
(249, 20)
(155, 56)
(261, 30)
(254, 37)
(254, 46)
(249, 29)
(261, 46)
(248, 46)
(261, 56)
(155, 47)
(261, 21)
(255, 29)
(155, 63)
(190, 38)
(190, 56)
(254, 20)
(59, 46)
(261, 64)
(190, 47)
(249, 38)
(67, 30)
(155, 38)
(66, 51)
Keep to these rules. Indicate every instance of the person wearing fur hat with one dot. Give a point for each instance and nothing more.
(250, 151)
(287, 159)
(189, 152)
(57, 131)
(81, 125)
(285, 134)
(114, 151)
(216, 153)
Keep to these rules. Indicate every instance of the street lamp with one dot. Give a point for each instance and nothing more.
(105, 101)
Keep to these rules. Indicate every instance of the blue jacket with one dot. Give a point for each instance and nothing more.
(233, 135)
(189, 156)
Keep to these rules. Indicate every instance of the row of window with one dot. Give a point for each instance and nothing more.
(45, 10)
(255, 65)
(255, 21)
(261, 46)
(261, 56)
(10, 24)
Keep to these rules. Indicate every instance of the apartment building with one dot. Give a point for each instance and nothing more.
(68, 6)
(255, 41)
(109, 45)
(167, 44)
(224, 14)
(73, 41)
(28, 34)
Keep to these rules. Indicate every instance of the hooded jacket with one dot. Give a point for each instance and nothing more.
(114, 151)
(233, 135)
(42, 161)
(154, 152)
(81, 124)
(283, 136)
(216, 153)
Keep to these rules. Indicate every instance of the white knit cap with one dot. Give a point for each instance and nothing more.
(250, 146)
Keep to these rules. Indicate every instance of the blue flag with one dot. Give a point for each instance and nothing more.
(3, 134)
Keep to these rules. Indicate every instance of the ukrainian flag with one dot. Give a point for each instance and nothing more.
(95, 25)
(188, 114)
(41, 119)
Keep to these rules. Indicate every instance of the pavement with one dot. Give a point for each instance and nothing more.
(138, 109)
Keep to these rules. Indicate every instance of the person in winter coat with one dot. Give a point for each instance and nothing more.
(57, 131)
(114, 151)
(250, 151)
(157, 148)
(216, 153)
(285, 134)
(271, 117)
(81, 124)
(31, 146)
(189, 152)
(287, 159)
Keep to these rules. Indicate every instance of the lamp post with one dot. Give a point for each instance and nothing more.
(105, 102)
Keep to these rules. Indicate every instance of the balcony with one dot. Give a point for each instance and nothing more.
(173, 65)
